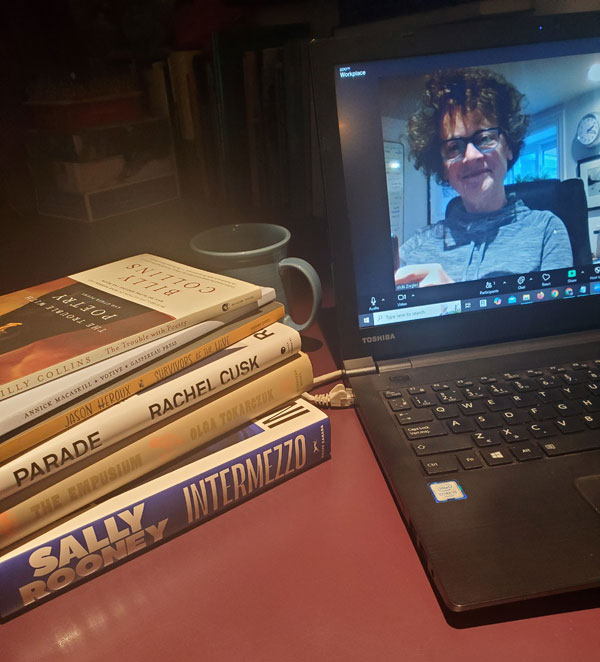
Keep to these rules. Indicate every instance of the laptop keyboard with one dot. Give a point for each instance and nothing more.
(494, 420)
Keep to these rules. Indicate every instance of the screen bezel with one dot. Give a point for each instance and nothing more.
(454, 331)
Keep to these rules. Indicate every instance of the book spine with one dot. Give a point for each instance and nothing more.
(26, 407)
(239, 362)
(83, 410)
(141, 518)
(157, 447)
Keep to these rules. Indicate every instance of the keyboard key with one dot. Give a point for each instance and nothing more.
(511, 435)
(469, 460)
(416, 390)
(446, 411)
(523, 385)
(496, 457)
(423, 400)
(541, 430)
(462, 383)
(534, 373)
(500, 403)
(392, 394)
(574, 444)
(399, 404)
(574, 392)
(592, 421)
(460, 425)
(498, 389)
(440, 465)
(548, 382)
(416, 416)
(542, 413)
(483, 439)
(571, 378)
(450, 396)
(570, 425)
(550, 396)
(568, 408)
(591, 404)
(475, 393)
(423, 430)
(445, 445)
(488, 421)
(472, 407)
(524, 451)
(524, 399)
(437, 446)
(439, 386)
(516, 417)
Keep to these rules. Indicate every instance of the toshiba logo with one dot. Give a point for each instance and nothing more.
(381, 338)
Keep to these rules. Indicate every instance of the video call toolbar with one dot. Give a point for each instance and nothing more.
(409, 304)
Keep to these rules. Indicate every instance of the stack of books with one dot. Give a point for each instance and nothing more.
(138, 399)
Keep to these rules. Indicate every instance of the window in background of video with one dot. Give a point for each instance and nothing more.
(539, 157)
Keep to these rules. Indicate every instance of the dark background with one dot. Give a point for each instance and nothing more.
(38, 37)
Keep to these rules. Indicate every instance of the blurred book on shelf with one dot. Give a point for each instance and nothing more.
(242, 118)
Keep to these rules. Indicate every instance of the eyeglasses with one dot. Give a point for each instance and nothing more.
(485, 140)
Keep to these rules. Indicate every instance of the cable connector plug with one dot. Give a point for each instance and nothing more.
(339, 396)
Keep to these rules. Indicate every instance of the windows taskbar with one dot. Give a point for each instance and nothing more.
(525, 297)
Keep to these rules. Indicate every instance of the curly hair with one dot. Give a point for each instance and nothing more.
(464, 90)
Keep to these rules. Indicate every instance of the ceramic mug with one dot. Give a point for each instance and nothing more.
(256, 253)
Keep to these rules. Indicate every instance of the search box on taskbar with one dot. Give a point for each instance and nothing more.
(416, 313)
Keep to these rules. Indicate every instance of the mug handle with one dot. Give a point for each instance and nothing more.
(314, 281)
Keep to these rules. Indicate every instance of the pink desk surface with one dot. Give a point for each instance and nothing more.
(320, 568)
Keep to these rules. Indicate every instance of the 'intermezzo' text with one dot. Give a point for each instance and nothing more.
(210, 494)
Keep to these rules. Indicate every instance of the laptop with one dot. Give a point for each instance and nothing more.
(478, 387)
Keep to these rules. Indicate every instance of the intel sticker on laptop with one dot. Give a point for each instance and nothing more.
(448, 490)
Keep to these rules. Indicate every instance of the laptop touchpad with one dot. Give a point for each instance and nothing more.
(589, 488)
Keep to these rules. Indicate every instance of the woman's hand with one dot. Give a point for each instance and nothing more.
(424, 274)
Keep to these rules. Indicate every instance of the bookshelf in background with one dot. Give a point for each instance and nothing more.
(242, 117)
(94, 149)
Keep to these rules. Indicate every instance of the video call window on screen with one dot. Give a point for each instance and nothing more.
(469, 152)
(472, 179)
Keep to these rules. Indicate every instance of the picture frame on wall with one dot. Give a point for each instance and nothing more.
(589, 172)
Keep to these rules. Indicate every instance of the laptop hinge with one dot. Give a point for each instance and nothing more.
(387, 365)
(510, 348)
(474, 353)
(363, 363)
(368, 362)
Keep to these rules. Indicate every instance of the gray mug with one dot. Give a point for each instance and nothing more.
(256, 253)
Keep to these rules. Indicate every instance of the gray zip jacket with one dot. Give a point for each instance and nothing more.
(512, 240)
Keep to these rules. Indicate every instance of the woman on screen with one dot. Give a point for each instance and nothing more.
(468, 133)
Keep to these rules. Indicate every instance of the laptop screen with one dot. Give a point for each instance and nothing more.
(469, 180)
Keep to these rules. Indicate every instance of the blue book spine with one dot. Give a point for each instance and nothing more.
(240, 466)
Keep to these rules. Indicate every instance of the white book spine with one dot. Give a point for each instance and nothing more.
(217, 416)
(233, 364)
